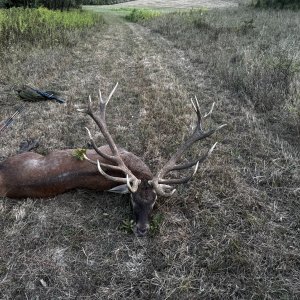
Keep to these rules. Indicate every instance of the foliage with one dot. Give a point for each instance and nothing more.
(155, 223)
(127, 226)
(79, 153)
(277, 3)
(42, 26)
(56, 4)
(142, 14)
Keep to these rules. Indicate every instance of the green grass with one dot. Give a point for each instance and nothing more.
(42, 26)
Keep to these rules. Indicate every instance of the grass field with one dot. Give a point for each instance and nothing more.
(232, 232)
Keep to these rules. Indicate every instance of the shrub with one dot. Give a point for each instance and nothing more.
(142, 14)
(277, 3)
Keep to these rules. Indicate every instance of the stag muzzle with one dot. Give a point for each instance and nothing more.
(142, 215)
(141, 230)
(142, 205)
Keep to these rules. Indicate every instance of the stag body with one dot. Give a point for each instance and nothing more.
(37, 176)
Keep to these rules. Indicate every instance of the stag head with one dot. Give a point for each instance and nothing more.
(143, 190)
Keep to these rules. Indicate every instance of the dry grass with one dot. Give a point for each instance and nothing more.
(232, 233)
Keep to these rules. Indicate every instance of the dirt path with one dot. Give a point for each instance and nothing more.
(177, 4)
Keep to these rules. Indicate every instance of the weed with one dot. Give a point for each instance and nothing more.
(127, 226)
(79, 153)
(155, 223)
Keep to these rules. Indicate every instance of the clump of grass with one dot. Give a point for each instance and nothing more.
(127, 226)
(142, 14)
(41, 26)
(156, 223)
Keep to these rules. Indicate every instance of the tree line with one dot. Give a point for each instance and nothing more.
(55, 4)
(51, 4)
(293, 4)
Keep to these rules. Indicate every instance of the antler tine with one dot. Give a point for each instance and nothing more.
(112, 92)
(172, 165)
(210, 112)
(197, 110)
(103, 103)
(104, 155)
(180, 180)
(109, 177)
(101, 123)
(196, 107)
(110, 167)
(198, 160)
(132, 187)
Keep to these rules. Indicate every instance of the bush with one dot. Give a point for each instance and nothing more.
(277, 3)
(142, 14)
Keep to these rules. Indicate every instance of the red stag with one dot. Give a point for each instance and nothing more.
(105, 168)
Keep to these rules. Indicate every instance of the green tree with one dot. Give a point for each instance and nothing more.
(51, 4)
(277, 3)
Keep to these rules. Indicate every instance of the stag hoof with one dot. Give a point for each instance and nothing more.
(27, 145)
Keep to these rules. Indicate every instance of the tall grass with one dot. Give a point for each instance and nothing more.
(42, 27)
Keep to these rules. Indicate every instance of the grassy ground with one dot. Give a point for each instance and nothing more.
(232, 233)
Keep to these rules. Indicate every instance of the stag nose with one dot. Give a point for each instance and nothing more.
(141, 231)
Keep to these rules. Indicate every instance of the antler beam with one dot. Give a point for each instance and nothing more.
(158, 182)
(116, 159)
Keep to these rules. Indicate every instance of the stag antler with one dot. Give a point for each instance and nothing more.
(158, 182)
(118, 163)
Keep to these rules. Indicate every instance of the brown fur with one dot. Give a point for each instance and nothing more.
(33, 175)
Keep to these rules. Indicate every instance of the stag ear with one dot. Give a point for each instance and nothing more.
(120, 189)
